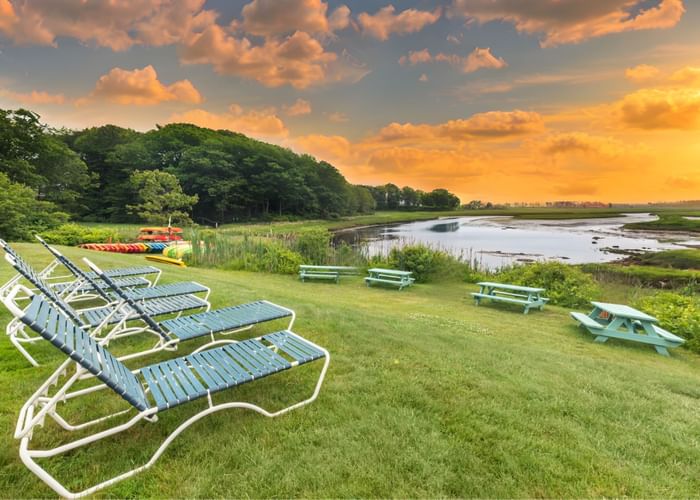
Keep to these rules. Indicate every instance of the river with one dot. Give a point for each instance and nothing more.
(495, 241)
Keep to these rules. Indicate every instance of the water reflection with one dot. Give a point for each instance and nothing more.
(449, 227)
(497, 241)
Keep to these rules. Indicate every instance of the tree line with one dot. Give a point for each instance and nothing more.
(113, 174)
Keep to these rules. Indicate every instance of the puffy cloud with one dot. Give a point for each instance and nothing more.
(298, 60)
(642, 73)
(258, 123)
(385, 21)
(277, 17)
(567, 143)
(573, 21)
(478, 59)
(141, 87)
(670, 108)
(105, 23)
(492, 124)
(290, 53)
(34, 97)
(416, 57)
(688, 76)
(300, 107)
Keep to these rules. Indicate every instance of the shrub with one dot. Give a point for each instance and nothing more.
(313, 245)
(424, 262)
(566, 285)
(679, 314)
(74, 234)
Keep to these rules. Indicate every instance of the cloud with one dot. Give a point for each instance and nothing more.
(567, 143)
(141, 87)
(416, 57)
(657, 109)
(338, 117)
(642, 73)
(298, 60)
(280, 17)
(104, 23)
(563, 22)
(300, 107)
(34, 97)
(258, 123)
(290, 51)
(386, 22)
(492, 124)
(688, 76)
(478, 59)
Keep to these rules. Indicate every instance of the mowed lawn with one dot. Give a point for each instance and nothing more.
(426, 396)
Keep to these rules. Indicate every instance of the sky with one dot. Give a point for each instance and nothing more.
(498, 100)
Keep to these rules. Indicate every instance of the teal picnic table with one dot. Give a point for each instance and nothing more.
(619, 321)
(526, 296)
(325, 272)
(393, 277)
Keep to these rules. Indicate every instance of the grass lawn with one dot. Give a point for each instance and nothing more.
(426, 396)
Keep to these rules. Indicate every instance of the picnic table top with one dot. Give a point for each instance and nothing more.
(624, 311)
(396, 272)
(506, 286)
(338, 268)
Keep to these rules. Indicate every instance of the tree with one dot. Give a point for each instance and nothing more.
(160, 197)
(409, 197)
(22, 213)
(440, 199)
(34, 155)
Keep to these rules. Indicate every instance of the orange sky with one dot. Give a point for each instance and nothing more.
(492, 99)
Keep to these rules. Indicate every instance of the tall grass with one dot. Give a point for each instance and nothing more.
(282, 253)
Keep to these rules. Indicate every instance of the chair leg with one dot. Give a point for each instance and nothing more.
(601, 339)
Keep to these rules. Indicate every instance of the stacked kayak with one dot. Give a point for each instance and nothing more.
(149, 247)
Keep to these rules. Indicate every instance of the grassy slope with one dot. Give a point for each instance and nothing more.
(669, 222)
(426, 395)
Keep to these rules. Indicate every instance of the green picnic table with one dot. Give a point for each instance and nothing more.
(619, 321)
(325, 272)
(393, 277)
(526, 296)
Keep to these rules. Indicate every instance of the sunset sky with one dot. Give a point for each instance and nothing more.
(500, 100)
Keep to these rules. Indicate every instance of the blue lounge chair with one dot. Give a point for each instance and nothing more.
(148, 391)
(109, 320)
(87, 286)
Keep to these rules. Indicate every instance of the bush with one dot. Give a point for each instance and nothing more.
(679, 314)
(565, 285)
(313, 245)
(424, 262)
(74, 234)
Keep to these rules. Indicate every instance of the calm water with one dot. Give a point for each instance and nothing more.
(497, 241)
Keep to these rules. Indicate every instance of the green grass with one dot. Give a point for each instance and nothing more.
(669, 222)
(675, 259)
(426, 396)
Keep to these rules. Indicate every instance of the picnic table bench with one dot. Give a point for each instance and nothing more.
(393, 277)
(627, 323)
(325, 272)
(526, 296)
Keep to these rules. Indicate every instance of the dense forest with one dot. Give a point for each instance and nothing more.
(114, 174)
